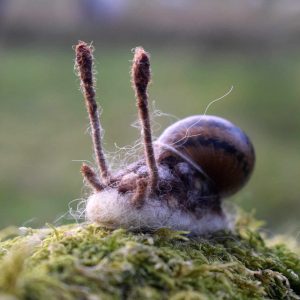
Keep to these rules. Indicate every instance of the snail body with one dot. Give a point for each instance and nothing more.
(181, 179)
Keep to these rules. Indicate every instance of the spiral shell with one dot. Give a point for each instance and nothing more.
(220, 150)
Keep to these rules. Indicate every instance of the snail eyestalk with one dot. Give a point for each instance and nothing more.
(84, 65)
(140, 79)
(140, 193)
(91, 177)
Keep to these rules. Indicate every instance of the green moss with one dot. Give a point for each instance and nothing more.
(90, 262)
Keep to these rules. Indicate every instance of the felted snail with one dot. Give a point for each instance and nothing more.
(184, 174)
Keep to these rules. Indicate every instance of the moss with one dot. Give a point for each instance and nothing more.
(89, 262)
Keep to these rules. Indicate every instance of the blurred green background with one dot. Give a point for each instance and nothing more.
(199, 49)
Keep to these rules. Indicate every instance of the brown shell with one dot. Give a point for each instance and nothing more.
(215, 146)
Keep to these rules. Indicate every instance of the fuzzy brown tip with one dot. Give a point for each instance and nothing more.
(141, 73)
(91, 177)
(84, 62)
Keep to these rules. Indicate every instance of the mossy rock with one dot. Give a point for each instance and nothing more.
(89, 262)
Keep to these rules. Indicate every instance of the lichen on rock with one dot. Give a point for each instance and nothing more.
(86, 261)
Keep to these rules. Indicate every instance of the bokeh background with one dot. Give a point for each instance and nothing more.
(199, 49)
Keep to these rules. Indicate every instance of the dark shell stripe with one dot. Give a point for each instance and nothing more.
(218, 145)
(226, 128)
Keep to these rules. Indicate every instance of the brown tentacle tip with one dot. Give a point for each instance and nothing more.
(91, 177)
(84, 49)
(141, 73)
(84, 62)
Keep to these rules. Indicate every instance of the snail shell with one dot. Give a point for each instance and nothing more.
(220, 150)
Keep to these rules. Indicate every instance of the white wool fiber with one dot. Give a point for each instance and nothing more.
(113, 210)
